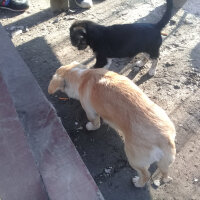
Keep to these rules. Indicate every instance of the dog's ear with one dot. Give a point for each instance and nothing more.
(57, 83)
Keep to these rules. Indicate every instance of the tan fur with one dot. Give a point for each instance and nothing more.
(148, 132)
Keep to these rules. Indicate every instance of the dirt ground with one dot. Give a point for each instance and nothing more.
(42, 40)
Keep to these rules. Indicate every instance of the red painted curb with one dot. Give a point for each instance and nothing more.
(19, 178)
(63, 172)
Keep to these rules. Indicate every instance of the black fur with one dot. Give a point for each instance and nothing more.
(120, 40)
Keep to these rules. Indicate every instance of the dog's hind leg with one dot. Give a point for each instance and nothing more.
(154, 55)
(164, 167)
(152, 70)
(142, 178)
(140, 163)
(164, 164)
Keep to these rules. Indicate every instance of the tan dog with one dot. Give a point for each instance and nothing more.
(148, 132)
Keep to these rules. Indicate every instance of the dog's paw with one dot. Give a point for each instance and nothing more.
(136, 182)
(89, 126)
(139, 63)
(156, 183)
(167, 179)
(152, 72)
(135, 179)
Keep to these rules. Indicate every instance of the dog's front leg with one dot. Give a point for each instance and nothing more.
(143, 61)
(94, 119)
(152, 70)
(94, 124)
(101, 61)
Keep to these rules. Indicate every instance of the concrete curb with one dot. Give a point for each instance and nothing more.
(18, 171)
(63, 172)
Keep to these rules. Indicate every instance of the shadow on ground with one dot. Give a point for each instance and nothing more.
(100, 149)
(32, 20)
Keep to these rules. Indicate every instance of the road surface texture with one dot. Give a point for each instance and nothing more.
(42, 40)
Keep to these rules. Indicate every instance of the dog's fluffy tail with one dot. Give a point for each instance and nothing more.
(166, 17)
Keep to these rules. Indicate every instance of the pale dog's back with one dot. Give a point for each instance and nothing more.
(148, 132)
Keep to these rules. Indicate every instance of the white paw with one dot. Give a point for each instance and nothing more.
(136, 182)
(89, 126)
(167, 179)
(139, 63)
(152, 72)
(156, 183)
(135, 179)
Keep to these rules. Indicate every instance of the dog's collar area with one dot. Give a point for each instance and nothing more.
(65, 84)
(64, 87)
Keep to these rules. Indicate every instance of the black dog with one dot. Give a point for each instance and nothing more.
(120, 40)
